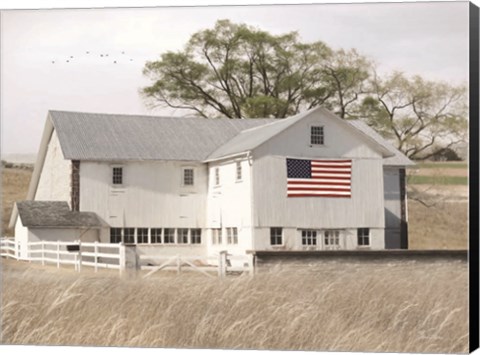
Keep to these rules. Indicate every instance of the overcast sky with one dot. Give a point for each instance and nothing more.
(430, 39)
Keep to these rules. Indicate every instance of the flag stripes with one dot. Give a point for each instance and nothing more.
(319, 178)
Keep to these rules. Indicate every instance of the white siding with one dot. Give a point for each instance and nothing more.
(152, 194)
(272, 207)
(61, 234)
(339, 141)
(21, 236)
(229, 204)
(54, 183)
(292, 240)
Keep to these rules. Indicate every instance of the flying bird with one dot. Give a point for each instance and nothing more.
(101, 55)
(53, 62)
(88, 52)
(114, 62)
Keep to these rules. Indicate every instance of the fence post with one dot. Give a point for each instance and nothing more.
(222, 263)
(95, 256)
(251, 264)
(179, 265)
(76, 261)
(58, 254)
(122, 260)
(43, 252)
(79, 255)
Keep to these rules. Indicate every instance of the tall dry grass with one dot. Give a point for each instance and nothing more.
(408, 307)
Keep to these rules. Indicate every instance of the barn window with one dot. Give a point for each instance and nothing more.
(363, 236)
(309, 237)
(232, 235)
(129, 235)
(115, 235)
(196, 235)
(217, 176)
(117, 175)
(316, 135)
(217, 236)
(156, 235)
(142, 235)
(182, 234)
(332, 238)
(188, 177)
(276, 236)
(239, 171)
(169, 236)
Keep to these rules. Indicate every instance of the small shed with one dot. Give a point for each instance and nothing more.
(53, 221)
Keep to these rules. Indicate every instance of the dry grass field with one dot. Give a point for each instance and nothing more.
(14, 188)
(387, 307)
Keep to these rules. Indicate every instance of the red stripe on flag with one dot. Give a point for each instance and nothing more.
(317, 183)
(314, 195)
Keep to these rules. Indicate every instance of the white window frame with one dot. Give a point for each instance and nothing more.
(165, 235)
(184, 169)
(368, 237)
(276, 236)
(112, 176)
(138, 234)
(311, 135)
(157, 235)
(311, 235)
(179, 236)
(331, 238)
(232, 235)
(217, 236)
(192, 238)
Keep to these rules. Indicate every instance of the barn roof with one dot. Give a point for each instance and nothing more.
(254, 137)
(93, 136)
(43, 214)
(398, 158)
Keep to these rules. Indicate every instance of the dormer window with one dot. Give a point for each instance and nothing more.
(316, 135)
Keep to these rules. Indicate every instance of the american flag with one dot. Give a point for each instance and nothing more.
(319, 178)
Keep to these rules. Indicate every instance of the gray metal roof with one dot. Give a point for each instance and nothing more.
(398, 159)
(93, 136)
(252, 138)
(56, 214)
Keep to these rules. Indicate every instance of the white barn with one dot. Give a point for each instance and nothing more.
(197, 186)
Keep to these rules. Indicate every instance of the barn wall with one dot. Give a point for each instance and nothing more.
(54, 183)
(273, 208)
(229, 204)
(152, 195)
(172, 250)
(292, 240)
(340, 140)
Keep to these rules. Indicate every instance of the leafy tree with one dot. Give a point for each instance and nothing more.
(423, 117)
(236, 71)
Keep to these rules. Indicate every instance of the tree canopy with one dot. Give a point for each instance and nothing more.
(424, 118)
(237, 71)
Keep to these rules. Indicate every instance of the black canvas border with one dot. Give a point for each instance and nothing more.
(473, 178)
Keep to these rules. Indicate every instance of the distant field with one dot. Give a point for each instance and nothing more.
(437, 180)
(448, 165)
(374, 307)
(14, 188)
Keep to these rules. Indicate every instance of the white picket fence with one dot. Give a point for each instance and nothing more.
(114, 256)
(77, 253)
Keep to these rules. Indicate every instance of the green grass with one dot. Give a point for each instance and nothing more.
(451, 165)
(437, 180)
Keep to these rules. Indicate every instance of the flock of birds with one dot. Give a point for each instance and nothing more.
(102, 55)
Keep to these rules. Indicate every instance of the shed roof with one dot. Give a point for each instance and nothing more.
(56, 214)
(94, 136)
